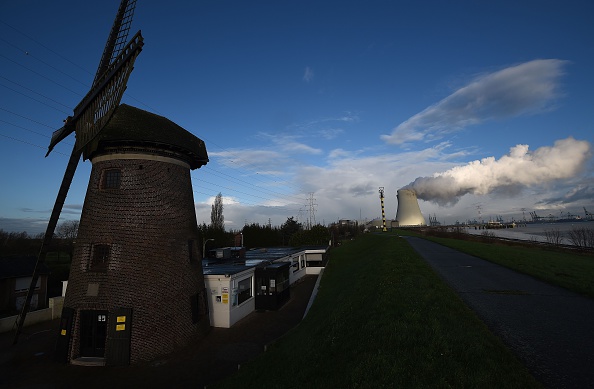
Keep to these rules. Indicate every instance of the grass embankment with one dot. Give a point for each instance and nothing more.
(568, 269)
(383, 318)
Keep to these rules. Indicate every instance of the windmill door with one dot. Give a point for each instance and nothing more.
(63, 341)
(93, 332)
(120, 333)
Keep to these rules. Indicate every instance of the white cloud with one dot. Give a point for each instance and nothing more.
(331, 133)
(296, 147)
(339, 153)
(327, 128)
(347, 186)
(288, 144)
(526, 88)
(226, 200)
(308, 75)
(248, 158)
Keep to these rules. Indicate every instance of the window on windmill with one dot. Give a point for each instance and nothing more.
(111, 179)
(99, 258)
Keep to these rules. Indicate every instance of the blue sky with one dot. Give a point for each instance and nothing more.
(485, 108)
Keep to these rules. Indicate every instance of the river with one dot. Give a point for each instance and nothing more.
(537, 231)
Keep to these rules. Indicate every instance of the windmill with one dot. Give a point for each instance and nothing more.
(89, 118)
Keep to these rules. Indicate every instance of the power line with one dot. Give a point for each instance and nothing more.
(231, 189)
(34, 99)
(251, 184)
(45, 47)
(312, 210)
(30, 144)
(28, 54)
(238, 158)
(23, 128)
(234, 158)
(41, 75)
(27, 118)
(257, 177)
(198, 179)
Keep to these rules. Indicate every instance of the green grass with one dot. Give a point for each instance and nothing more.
(384, 319)
(570, 270)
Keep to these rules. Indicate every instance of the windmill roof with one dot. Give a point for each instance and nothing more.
(15, 267)
(130, 126)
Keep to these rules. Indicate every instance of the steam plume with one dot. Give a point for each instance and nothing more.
(517, 169)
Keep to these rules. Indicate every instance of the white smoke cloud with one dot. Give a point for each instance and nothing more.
(520, 168)
(525, 88)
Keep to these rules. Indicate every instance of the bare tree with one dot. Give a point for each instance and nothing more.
(553, 236)
(68, 229)
(582, 237)
(217, 221)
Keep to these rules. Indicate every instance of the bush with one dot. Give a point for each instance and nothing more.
(553, 236)
(582, 237)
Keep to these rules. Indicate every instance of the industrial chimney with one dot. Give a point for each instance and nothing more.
(408, 213)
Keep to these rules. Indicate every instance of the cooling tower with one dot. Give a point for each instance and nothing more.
(408, 213)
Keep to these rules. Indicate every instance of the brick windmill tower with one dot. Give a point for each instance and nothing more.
(136, 289)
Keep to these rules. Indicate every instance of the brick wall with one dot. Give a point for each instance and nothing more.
(147, 222)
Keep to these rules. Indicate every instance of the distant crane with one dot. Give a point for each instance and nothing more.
(433, 221)
(535, 217)
(381, 192)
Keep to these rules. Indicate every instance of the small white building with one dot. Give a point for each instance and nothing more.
(304, 260)
(315, 258)
(298, 266)
(231, 286)
(230, 292)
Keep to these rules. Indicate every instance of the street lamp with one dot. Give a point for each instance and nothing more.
(204, 248)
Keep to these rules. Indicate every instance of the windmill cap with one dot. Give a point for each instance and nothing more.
(134, 127)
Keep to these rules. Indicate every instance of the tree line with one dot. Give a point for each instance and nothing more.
(290, 233)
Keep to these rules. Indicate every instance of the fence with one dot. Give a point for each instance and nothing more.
(52, 312)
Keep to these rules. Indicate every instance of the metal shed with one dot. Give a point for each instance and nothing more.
(272, 285)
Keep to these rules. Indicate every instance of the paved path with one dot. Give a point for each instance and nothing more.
(549, 328)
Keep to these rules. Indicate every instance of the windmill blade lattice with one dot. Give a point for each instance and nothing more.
(117, 37)
(95, 110)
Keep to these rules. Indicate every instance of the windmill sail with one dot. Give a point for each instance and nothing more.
(117, 37)
(117, 62)
(90, 116)
(95, 110)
